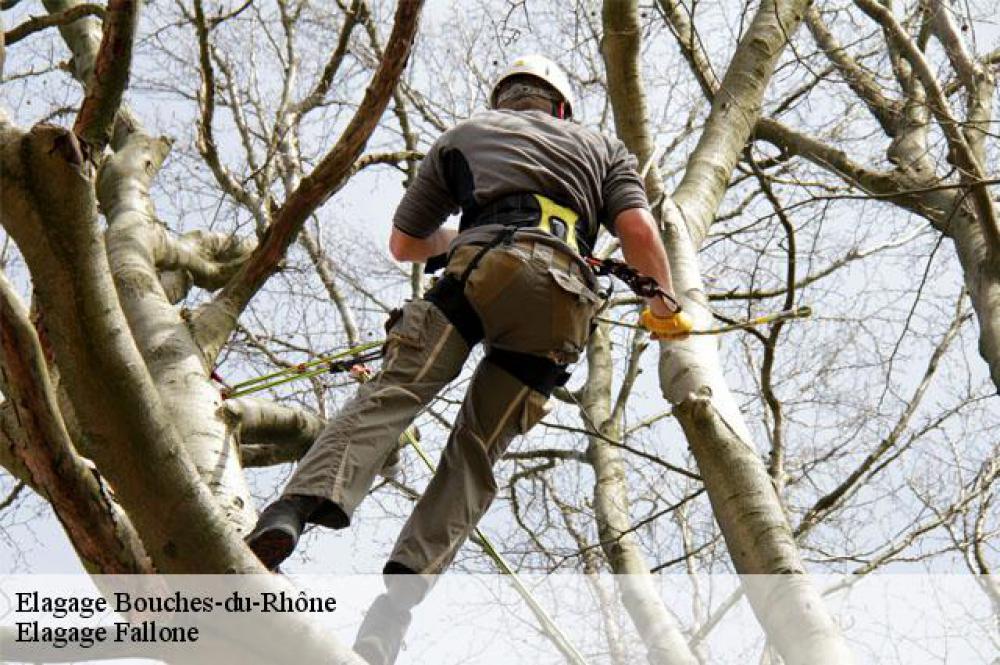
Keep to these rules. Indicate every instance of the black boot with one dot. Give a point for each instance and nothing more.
(279, 527)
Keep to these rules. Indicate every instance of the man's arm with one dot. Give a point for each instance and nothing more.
(405, 247)
(644, 251)
(426, 204)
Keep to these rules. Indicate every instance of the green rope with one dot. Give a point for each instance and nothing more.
(304, 370)
(548, 624)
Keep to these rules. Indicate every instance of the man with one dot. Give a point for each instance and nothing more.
(533, 189)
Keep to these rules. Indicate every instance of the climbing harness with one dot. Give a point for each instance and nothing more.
(448, 294)
(334, 363)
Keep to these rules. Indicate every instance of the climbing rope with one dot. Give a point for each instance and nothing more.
(334, 363)
(548, 624)
(803, 312)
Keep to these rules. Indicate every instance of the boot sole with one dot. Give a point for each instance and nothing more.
(272, 546)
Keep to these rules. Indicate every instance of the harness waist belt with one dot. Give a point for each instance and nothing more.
(526, 210)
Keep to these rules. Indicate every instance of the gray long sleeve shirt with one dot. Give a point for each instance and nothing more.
(501, 152)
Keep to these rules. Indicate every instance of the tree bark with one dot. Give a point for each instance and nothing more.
(49, 209)
(97, 528)
(134, 242)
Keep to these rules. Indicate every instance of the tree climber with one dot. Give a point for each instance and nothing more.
(532, 188)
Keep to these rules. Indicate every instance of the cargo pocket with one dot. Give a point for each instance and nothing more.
(536, 406)
(411, 338)
(495, 273)
(573, 307)
(409, 326)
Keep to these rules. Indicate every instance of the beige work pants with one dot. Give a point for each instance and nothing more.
(531, 298)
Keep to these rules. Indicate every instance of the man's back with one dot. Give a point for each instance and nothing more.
(502, 152)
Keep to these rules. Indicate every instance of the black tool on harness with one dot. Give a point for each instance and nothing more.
(345, 365)
(641, 284)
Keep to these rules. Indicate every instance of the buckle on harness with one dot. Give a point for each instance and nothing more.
(558, 220)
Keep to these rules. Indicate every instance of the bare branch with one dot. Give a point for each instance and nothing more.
(11, 497)
(217, 319)
(546, 453)
(960, 152)
(885, 110)
(357, 11)
(837, 495)
(324, 269)
(943, 24)
(206, 138)
(39, 23)
(683, 29)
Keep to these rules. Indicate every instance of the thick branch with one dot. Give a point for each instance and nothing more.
(217, 319)
(211, 259)
(47, 205)
(665, 645)
(894, 186)
(620, 48)
(735, 111)
(39, 23)
(960, 153)
(107, 86)
(84, 38)
(749, 512)
(134, 239)
(974, 75)
(99, 531)
(269, 433)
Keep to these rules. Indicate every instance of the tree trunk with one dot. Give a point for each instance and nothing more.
(664, 642)
(134, 240)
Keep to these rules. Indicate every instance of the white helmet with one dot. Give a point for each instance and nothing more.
(542, 68)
